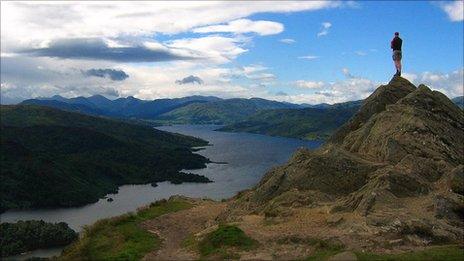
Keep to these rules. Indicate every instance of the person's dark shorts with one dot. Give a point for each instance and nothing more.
(397, 55)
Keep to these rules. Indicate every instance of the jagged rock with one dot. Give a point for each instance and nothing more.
(398, 159)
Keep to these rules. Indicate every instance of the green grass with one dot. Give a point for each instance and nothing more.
(449, 253)
(323, 249)
(223, 240)
(121, 238)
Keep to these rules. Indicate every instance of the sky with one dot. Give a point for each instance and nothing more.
(300, 52)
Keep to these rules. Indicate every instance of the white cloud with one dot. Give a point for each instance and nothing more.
(360, 53)
(324, 29)
(244, 26)
(287, 40)
(350, 89)
(454, 10)
(214, 48)
(309, 84)
(347, 73)
(33, 77)
(409, 76)
(308, 57)
(256, 72)
(33, 23)
(451, 84)
(332, 92)
(26, 25)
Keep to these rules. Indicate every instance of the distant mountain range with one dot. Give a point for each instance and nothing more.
(315, 122)
(191, 109)
(54, 158)
(129, 107)
(254, 115)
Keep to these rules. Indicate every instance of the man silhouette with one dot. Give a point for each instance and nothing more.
(396, 44)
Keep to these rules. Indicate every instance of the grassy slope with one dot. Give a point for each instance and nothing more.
(433, 253)
(219, 241)
(219, 112)
(308, 123)
(121, 238)
(54, 158)
(449, 253)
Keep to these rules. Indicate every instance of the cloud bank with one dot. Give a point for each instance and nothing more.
(97, 49)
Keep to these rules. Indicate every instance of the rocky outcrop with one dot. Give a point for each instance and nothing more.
(398, 164)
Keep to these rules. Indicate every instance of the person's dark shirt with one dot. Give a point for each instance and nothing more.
(396, 43)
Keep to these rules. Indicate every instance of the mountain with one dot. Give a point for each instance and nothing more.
(129, 107)
(220, 112)
(459, 101)
(54, 158)
(317, 106)
(392, 173)
(64, 105)
(316, 122)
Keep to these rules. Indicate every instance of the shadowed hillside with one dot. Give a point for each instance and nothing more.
(220, 112)
(53, 158)
(317, 122)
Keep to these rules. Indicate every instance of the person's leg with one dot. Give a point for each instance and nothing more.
(399, 67)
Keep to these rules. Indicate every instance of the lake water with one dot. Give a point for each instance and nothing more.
(246, 156)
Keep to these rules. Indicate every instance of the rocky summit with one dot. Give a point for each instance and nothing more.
(393, 173)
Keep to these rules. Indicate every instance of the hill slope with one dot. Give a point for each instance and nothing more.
(308, 123)
(220, 112)
(395, 170)
(54, 158)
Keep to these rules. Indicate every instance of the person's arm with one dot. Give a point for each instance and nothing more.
(391, 44)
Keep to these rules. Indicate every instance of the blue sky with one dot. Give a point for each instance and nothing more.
(303, 52)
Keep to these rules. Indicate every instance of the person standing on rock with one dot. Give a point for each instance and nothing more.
(396, 44)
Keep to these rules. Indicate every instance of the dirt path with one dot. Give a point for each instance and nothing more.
(175, 227)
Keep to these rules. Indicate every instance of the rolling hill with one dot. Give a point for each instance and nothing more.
(220, 112)
(186, 110)
(54, 158)
(317, 122)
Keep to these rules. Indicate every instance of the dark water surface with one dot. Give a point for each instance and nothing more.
(248, 157)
